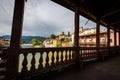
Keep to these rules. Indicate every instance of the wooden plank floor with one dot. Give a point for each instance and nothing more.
(104, 70)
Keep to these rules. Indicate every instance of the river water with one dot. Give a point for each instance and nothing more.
(26, 45)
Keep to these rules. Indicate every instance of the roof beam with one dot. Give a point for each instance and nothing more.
(111, 13)
(115, 23)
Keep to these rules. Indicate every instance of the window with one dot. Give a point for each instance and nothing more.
(110, 40)
(104, 40)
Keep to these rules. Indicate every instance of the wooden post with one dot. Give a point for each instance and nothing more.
(17, 24)
(119, 38)
(115, 40)
(108, 40)
(108, 37)
(13, 51)
(115, 37)
(76, 37)
(98, 38)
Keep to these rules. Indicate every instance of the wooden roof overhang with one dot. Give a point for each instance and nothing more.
(106, 11)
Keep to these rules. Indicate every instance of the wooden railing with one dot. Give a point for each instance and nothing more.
(34, 61)
(3, 61)
(39, 60)
(88, 53)
(93, 53)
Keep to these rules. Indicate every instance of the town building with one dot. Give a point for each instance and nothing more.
(4, 42)
(1, 42)
(62, 40)
(87, 37)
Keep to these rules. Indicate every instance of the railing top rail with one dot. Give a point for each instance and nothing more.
(1, 48)
(28, 50)
(92, 48)
(45, 49)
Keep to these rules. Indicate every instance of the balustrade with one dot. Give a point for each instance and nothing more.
(88, 53)
(36, 60)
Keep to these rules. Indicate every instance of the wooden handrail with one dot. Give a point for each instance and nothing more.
(56, 58)
(45, 49)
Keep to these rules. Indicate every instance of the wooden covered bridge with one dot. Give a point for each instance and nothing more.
(102, 12)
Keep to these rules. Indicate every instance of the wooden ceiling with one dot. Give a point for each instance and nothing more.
(107, 11)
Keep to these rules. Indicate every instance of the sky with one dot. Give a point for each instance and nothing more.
(41, 18)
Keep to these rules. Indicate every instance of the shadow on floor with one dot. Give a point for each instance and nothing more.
(104, 70)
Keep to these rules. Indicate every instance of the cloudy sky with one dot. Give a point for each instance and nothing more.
(41, 18)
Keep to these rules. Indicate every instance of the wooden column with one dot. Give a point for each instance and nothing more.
(17, 24)
(108, 40)
(108, 37)
(76, 37)
(13, 51)
(98, 38)
(115, 37)
(119, 38)
(115, 40)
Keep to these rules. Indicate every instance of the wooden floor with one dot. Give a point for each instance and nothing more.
(104, 70)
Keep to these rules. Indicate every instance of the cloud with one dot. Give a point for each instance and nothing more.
(41, 18)
(47, 17)
(6, 14)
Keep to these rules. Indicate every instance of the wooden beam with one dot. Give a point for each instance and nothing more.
(76, 36)
(108, 37)
(98, 38)
(98, 34)
(115, 23)
(13, 51)
(111, 13)
(108, 40)
(17, 24)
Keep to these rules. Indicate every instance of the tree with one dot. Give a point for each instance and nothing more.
(68, 33)
(34, 41)
(62, 39)
(52, 36)
(24, 42)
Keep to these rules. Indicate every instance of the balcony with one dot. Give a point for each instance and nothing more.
(17, 63)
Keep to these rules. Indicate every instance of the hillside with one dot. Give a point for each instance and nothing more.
(26, 39)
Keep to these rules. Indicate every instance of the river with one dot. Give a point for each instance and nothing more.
(26, 45)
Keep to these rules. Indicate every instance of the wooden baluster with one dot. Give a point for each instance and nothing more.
(84, 54)
(53, 59)
(88, 55)
(41, 61)
(66, 56)
(61, 62)
(69, 56)
(47, 60)
(24, 64)
(81, 51)
(73, 55)
(33, 63)
(57, 58)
